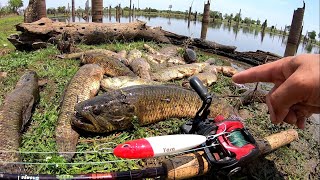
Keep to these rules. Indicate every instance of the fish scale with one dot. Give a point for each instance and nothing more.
(118, 108)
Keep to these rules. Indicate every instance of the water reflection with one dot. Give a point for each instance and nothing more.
(262, 36)
(256, 32)
(235, 31)
(169, 21)
(244, 38)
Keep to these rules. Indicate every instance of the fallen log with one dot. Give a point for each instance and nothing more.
(46, 30)
(253, 58)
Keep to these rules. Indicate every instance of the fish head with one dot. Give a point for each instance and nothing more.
(104, 114)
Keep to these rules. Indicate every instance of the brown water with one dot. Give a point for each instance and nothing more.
(244, 38)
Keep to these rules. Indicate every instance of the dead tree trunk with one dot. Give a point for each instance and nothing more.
(189, 17)
(46, 30)
(295, 31)
(97, 10)
(73, 9)
(42, 9)
(130, 11)
(206, 13)
(204, 30)
(35, 11)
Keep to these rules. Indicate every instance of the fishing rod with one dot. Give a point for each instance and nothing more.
(219, 145)
(178, 167)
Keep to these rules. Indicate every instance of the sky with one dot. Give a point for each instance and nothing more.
(278, 12)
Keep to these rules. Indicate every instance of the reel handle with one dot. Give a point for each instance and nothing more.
(198, 86)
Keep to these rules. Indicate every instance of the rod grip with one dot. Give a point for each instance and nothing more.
(195, 164)
(186, 166)
(277, 140)
(198, 86)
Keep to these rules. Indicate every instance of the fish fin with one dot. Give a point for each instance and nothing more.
(26, 113)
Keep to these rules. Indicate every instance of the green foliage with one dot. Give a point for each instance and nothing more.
(51, 11)
(150, 10)
(258, 22)
(247, 20)
(216, 15)
(312, 35)
(15, 4)
(237, 17)
(61, 9)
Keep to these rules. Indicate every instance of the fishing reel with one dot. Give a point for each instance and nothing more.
(229, 144)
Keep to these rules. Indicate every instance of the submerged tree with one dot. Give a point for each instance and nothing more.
(97, 10)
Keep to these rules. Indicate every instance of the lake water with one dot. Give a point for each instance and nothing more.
(244, 39)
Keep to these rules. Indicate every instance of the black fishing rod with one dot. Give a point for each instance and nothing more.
(133, 174)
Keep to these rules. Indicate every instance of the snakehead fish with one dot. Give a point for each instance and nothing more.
(149, 104)
(111, 65)
(15, 112)
(84, 85)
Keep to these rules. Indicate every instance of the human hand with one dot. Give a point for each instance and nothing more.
(296, 94)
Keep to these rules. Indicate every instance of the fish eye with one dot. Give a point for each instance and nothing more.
(96, 110)
(126, 146)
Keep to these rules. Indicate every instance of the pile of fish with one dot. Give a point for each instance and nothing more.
(138, 86)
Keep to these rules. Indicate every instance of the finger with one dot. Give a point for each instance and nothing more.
(271, 111)
(301, 123)
(285, 96)
(270, 72)
(291, 118)
(306, 110)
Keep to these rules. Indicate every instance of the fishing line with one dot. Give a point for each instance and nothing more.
(194, 149)
(76, 163)
(212, 137)
(99, 150)
(52, 152)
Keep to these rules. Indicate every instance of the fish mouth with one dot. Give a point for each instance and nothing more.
(81, 119)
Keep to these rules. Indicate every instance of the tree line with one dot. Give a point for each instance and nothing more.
(11, 8)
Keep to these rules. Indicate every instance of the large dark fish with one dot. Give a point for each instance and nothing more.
(15, 112)
(149, 104)
(84, 85)
(111, 65)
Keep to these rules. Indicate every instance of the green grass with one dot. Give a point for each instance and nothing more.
(7, 28)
